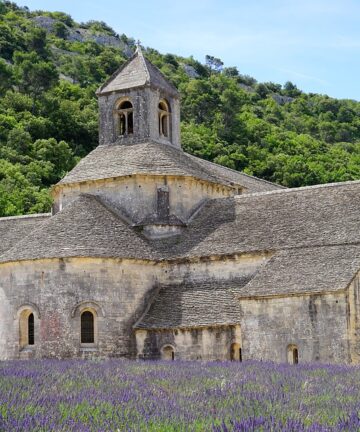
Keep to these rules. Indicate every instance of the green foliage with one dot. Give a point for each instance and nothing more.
(214, 64)
(60, 30)
(11, 40)
(62, 17)
(46, 124)
(5, 76)
(290, 89)
(35, 75)
(36, 41)
(99, 27)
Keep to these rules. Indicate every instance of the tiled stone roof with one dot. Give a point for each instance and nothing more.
(289, 218)
(85, 228)
(15, 228)
(137, 72)
(251, 183)
(305, 270)
(151, 158)
(209, 303)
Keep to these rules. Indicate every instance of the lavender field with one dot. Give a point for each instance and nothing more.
(177, 396)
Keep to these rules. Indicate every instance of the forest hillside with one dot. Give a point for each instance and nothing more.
(50, 67)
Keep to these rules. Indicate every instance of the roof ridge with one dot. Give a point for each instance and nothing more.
(160, 73)
(140, 54)
(113, 75)
(29, 216)
(299, 189)
(237, 172)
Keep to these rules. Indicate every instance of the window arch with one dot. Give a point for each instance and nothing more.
(87, 319)
(235, 352)
(168, 353)
(26, 328)
(124, 118)
(164, 118)
(292, 354)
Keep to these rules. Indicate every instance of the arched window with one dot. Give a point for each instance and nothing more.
(124, 118)
(26, 328)
(87, 328)
(292, 354)
(235, 352)
(168, 353)
(164, 119)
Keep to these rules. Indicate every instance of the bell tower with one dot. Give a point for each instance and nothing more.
(138, 104)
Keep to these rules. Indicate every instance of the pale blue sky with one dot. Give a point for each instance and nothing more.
(314, 43)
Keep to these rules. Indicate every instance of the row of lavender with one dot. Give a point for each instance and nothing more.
(120, 395)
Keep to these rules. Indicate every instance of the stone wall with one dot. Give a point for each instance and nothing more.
(119, 291)
(59, 289)
(323, 327)
(212, 343)
(137, 194)
(316, 324)
(354, 319)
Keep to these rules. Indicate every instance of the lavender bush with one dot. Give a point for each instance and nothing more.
(117, 395)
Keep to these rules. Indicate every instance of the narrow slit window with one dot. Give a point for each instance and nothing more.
(31, 330)
(295, 356)
(87, 327)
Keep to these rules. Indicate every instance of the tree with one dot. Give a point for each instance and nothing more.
(231, 72)
(213, 64)
(59, 154)
(36, 41)
(60, 30)
(5, 77)
(10, 41)
(63, 17)
(290, 89)
(99, 26)
(2, 8)
(171, 59)
(34, 74)
(262, 90)
(19, 140)
(247, 80)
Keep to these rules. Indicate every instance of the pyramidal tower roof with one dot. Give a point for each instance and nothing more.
(138, 71)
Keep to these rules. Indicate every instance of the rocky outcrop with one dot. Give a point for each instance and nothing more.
(82, 34)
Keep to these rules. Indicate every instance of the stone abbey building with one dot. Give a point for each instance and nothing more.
(153, 253)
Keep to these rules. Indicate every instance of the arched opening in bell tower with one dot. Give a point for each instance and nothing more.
(164, 119)
(124, 117)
